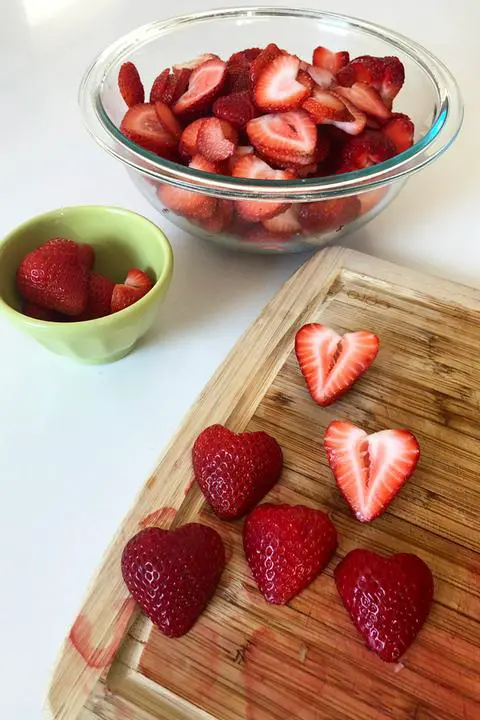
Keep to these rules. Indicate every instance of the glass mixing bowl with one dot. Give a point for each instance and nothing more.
(430, 97)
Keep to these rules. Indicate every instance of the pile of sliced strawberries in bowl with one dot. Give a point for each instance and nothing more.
(266, 114)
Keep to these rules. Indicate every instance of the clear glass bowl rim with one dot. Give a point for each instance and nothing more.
(441, 134)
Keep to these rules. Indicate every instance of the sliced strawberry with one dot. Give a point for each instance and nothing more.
(365, 98)
(259, 235)
(237, 108)
(168, 120)
(217, 139)
(304, 171)
(196, 62)
(188, 145)
(138, 279)
(366, 69)
(329, 60)
(393, 79)
(328, 215)
(142, 126)
(221, 220)
(370, 469)
(369, 148)
(304, 78)
(123, 296)
(356, 122)
(252, 167)
(240, 152)
(284, 134)
(186, 202)
(277, 87)
(130, 84)
(286, 223)
(244, 56)
(41, 313)
(321, 77)
(159, 86)
(205, 84)
(238, 70)
(100, 290)
(371, 199)
(182, 78)
(325, 107)
(258, 65)
(400, 130)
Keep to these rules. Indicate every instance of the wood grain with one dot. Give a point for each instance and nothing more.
(247, 660)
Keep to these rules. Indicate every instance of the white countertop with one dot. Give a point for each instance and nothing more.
(62, 492)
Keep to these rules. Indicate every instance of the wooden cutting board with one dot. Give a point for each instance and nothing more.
(245, 659)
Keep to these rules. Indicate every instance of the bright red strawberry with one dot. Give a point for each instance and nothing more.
(283, 135)
(365, 98)
(173, 574)
(63, 247)
(130, 85)
(387, 598)
(138, 279)
(235, 471)
(286, 223)
(41, 313)
(205, 84)
(287, 547)
(236, 108)
(329, 60)
(238, 70)
(327, 215)
(369, 148)
(250, 166)
(123, 296)
(168, 121)
(366, 69)
(392, 80)
(399, 130)
(264, 58)
(142, 126)
(217, 139)
(331, 363)
(159, 87)
(100, 290)
(54, 277)
(369, 469)
(277, 87)
(186, 202)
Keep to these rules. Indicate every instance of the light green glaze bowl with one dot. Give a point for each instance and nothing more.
(122, 240)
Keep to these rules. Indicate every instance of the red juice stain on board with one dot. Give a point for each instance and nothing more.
(81, 637)
(158, 518)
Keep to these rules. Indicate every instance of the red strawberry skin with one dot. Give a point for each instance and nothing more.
(286, 547)
(388, 599)
(100, 290)
(84, 252)
(130, 84)
(173, 574)
(234, 471)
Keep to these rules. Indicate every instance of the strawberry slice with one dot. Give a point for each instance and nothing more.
(393, 79)
(141, 125)
(370, 469)
(221, 220)
(329, 60)
(277, 87)
(356, 122)
(321, 77)
(159, 86)
(326, 108)
(100, 290)
(367, 149)
(168, 120)
(238, 70)
(365, 98)
(250, 166)
(259, 63)
(366, 69)
(240, 152)
(328, 215)
(123, 296)
(244, 56)
(130, 84)
(186, 202)
(399, 130)
(217, 139)
(196, 62)
(188, 145)
(205, 84)
(284, 134)
(236, 108)
(306, 80)
(259, 235)
(331, 363)
(284, 224)
(138, 279)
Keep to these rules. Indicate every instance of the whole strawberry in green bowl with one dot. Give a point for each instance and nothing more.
(85, 281)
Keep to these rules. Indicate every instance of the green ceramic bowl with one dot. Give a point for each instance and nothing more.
(121, 240)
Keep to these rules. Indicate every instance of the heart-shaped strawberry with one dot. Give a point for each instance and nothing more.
(286, 547)
(388, 599)
(331, 363)
(370, 469)
(235, 471)
(173, 574)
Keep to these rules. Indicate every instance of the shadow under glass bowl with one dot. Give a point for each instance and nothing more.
(430, 97)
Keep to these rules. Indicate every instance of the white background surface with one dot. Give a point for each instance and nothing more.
(62, 492)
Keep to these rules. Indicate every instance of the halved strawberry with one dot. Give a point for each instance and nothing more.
(369, 148)
(130, 84)
(100, 290)
(331, 363)
(205, 84)
(252, 167)
(159, 86)
(138, 279)
(365, 98)
(393, 79)
(370, 469)
(267, 55)
(186, 202)
(329, 60)
(322, 78)
(141, 125)
(366, 69)
(327, 215)
(237, 108)
(168, 120)
(123, 296)
(399, 130)
(286, 223)
(217, 139)
(277, 87)
(283, 135)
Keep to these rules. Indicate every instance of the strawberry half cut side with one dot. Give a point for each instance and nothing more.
(370, 469)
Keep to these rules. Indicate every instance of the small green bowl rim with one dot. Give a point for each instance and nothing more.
(160, 285)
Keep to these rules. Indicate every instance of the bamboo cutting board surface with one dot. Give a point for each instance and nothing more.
(244, 659)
